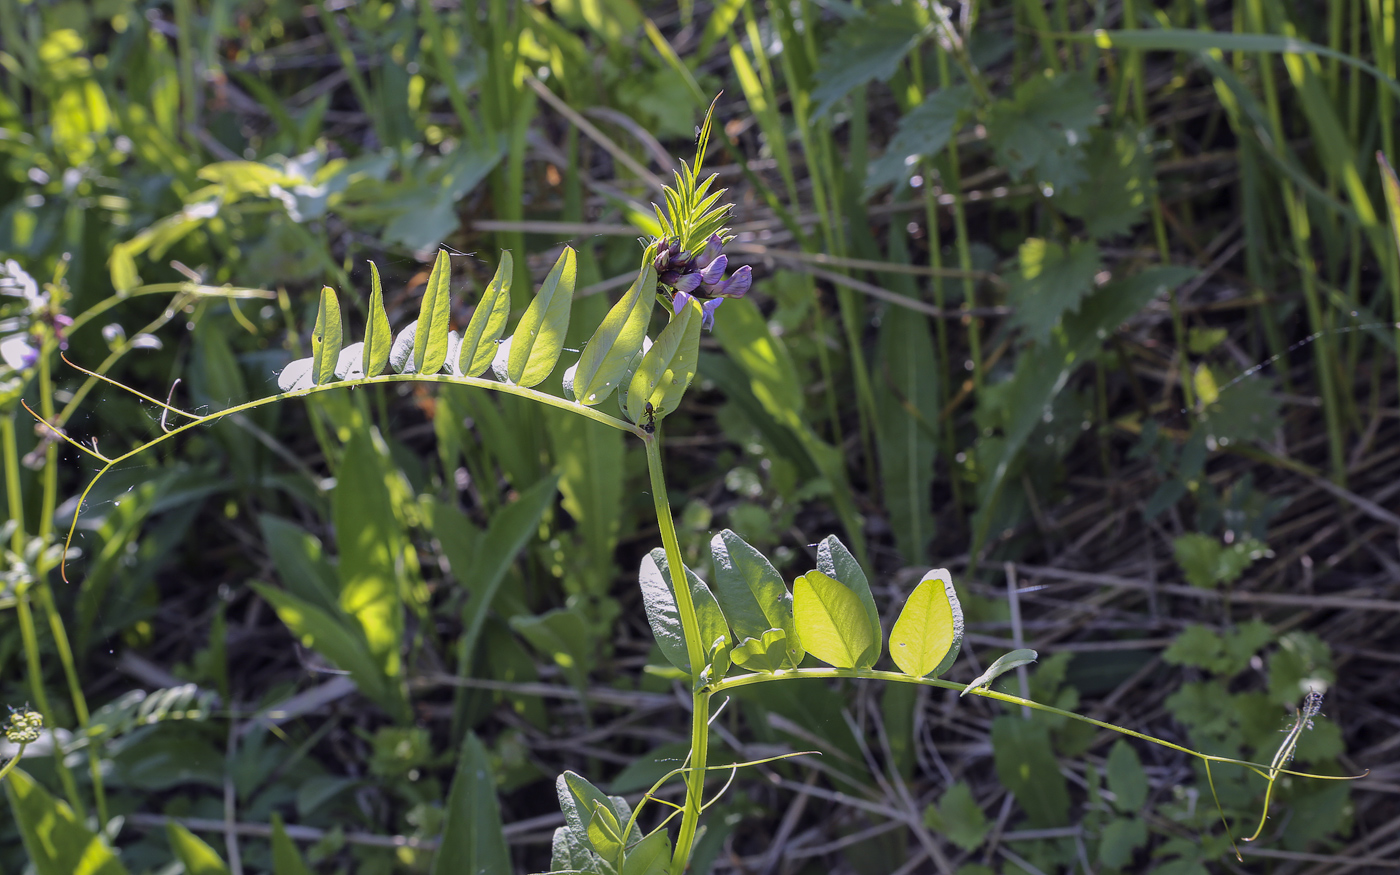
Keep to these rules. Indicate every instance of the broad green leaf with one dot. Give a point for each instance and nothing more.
(378, 338)
(928, 633)
(242, 178)
(660, 601)
(539, 336)
(668, 367)
(1043, 128)
(836, 562)
(1049, 281)
(286, 859)
(1126, 778)
(650, 856)
(326, 338)
(434, 314)
(488, 321)
(923, 132)
(1003, 664)
(371, 544)
(833, 622)
(958, 817)
(578, 799)
(1027, 766)
(473, 839)
(55, 839)
(603, 834)
(604, 360)
(753, 596)
(195, 853)
(338, 642)
(868, 47)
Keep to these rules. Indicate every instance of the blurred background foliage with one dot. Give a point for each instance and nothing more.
(1094, 304)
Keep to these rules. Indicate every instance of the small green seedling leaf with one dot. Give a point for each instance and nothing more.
(1014, 659)
(326, 338)
(766, 653)
(604, 361)
(378, 338)
(539, 337)
(928, 633)
(430, 340)
(488, 322)
(668, 367)
(833, 623)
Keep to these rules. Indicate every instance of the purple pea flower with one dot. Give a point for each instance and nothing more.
(701, 277)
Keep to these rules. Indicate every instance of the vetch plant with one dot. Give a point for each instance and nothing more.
(749, 628)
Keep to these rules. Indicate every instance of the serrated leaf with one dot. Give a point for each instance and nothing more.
(836, 562)
(539, 337)
(866, 48)
(488, 322)
(1127, 779)
(923, 132)
(926, 637)
(668, 367)
(1003, 664)
(434, 314)
(604, 361)
(1241, 412)
(1049, 282)
(753, 597)
(378, 338)
(326, 338)
(833, 622)
(660, 601)
(1119, 190)
(1043, 129)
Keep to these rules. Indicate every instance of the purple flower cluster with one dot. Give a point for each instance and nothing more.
(701, 277)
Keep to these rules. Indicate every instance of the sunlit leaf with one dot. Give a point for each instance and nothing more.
(668, 367)
(650, 856)
(326, 338)
(56, 840)
(430, 338)
(297, 375)
(925, 639)
(539, 336)
(833, 622)
(401, 351)
(603, 833)
(604, 360)
(836, 562)
(192, 851)
(488, 322)
(377, 335)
